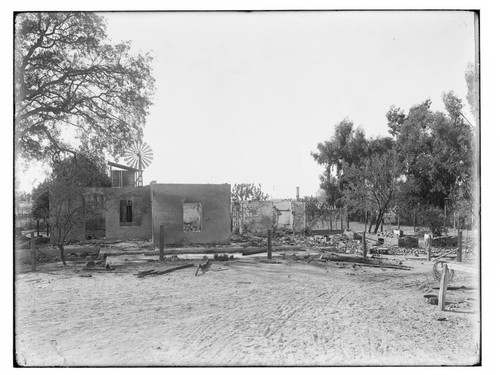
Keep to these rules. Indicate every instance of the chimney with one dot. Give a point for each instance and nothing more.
(298, 195)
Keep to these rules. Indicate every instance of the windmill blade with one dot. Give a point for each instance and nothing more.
(139, 156)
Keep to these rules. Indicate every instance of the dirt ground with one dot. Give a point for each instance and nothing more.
(244, 312)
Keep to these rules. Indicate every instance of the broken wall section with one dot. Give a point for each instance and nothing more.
(257, 217)
(191, 213)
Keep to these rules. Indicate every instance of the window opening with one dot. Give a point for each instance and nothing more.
(192, 217)
(125, 211)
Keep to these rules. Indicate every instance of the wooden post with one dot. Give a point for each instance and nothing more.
(366, 218)
(33, 253)
(442, 288)
(162, 242)
(429, 247)
(269, 244)
(347, 218)
(364, 245)
(415, 220)
(459, 251)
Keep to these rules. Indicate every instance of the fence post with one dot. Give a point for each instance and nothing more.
(269, 244)
(33, 253)
(364, 245)
(415, 220)
(162, 242)
(442, 288)
(429, 247)
(459, 252)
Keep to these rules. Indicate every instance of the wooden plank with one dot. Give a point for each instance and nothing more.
(406, 268)
(445, 254)
(174, 269)
(442, 288)
(257, 250)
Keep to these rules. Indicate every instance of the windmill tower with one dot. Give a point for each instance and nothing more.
(139, 156)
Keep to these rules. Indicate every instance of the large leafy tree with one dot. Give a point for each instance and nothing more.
(71, 83)
(374, 185)
(66, 187)
(347, 147)
(435, 148)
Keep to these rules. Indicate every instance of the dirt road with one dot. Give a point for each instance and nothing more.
(244, 312)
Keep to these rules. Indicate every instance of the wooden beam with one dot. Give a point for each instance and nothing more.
(121, 166)
(365, 249)
(442, 288)
(174, 269)
(162, 272)
(429, 249)
(406, 268)
(203, 250)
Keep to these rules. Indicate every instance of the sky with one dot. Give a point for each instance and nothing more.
(247, 96)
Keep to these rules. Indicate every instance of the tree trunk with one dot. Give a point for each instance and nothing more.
(61, 249)
(371, 223)
(382, 225)
(379, 220)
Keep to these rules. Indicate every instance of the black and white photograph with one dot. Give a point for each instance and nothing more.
(241, 188)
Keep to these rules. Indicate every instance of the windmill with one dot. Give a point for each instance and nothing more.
(139, 156)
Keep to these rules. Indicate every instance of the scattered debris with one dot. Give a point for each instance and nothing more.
(223, 257)
(203, 266)
(431, 299)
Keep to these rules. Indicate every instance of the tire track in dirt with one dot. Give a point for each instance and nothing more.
(288, 315)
